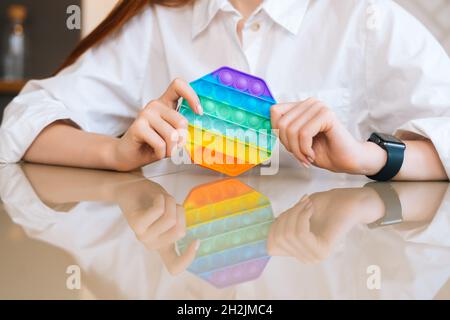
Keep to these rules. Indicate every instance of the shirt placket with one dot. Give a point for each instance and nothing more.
(253, 40)
(238, 59)
(249, 53)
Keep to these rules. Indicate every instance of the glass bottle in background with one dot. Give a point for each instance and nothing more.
(14, 58)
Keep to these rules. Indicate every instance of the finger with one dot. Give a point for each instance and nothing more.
(167, 220)
(311, 243)
(142, 226)
(283, 238)
(272, 249)
(273, 239)
(145, 134)
(141, 220)
(185, 260)
(167, 132)
(293, 132)
(274, 245)
(176, 264)
(177, 121)
(290, 231)
(181, 89)
(286, 120)
(277, 111)
(294, 238)
(303, 224)
(300, 206)
(303, 199)
(178, 231)
(306, 249)
(174, 118)
(320, 123)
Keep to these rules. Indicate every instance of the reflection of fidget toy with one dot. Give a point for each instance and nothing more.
(234, 134)
(232, 222)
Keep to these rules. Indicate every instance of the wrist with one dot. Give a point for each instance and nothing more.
(108, 154)
(373, 159)
(373, 204)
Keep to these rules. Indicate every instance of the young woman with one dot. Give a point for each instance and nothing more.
(342, 70)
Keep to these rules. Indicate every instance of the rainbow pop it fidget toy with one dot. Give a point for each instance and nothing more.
(234, 134)
(232, 222)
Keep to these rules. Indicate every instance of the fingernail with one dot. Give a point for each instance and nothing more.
(307, 166)
(199, 109)
(310, 159)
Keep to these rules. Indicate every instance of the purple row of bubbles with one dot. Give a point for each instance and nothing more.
(242, 82)
(244, 272)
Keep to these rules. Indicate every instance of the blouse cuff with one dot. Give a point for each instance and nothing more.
(435, 129)
(18, 132)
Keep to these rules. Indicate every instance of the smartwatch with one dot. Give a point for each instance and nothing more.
(393, 207)
(395, 149)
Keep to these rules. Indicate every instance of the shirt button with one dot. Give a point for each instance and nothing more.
(372, 23)
(255, 27)
(371, 10)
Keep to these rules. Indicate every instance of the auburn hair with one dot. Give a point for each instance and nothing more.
(123, 12)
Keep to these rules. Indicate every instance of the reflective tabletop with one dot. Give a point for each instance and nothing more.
(68, 233)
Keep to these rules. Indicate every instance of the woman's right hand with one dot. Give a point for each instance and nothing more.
(157, 130)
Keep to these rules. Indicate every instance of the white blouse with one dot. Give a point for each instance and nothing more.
(374, 64)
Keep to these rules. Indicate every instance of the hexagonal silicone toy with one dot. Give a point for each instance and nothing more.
(232, 222)
(235, 133)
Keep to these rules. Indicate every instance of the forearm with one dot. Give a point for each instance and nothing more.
(54, 184)
(420, 201)
(421, 163)
(63, 144)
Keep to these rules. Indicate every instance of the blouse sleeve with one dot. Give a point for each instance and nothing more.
(408, 78)
(100, 93)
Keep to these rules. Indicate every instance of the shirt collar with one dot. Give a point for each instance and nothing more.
(287, 13)
(203, 13)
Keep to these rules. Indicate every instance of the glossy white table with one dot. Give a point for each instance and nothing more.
(113, 234)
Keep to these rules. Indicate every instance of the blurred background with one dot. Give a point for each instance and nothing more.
(35, 38)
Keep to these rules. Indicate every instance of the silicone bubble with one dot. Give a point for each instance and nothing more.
(233, 240)
(236, 102)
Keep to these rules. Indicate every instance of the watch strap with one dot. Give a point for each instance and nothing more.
(392, 204)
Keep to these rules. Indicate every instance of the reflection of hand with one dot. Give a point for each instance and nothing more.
(291, 235)
(158, 222)
(161, 223)
(310, 229)
(178, 263)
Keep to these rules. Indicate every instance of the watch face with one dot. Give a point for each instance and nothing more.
(389, 138)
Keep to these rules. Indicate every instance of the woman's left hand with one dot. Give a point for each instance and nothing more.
(314, 135)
